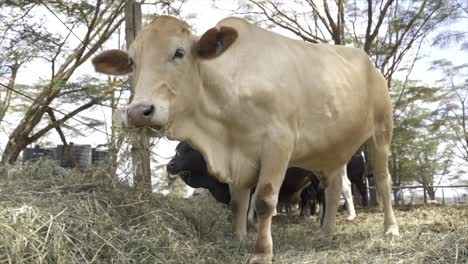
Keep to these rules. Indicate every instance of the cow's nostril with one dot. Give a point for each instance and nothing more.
(149, 111)
(171, 168)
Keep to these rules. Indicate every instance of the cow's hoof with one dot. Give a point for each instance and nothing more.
(240, 237)
(326, 237)
(253, 224)
(261, 259)
(327, 232)
(351, 217)
(392, 231)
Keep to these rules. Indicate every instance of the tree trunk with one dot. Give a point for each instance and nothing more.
(66, 148)
(141, 162)
(141, 155)
(114, 145)
(5, 103)
(19, 138)
(17, 142)
(431, 192)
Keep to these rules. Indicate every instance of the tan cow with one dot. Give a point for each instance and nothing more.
(255, 102)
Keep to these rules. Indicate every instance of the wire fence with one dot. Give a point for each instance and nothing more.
(420, 194)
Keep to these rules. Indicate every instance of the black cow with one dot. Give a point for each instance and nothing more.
(356, 170)
(312, 196)
(191, 166)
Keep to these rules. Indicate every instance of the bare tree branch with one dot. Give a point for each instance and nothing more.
(371, 36)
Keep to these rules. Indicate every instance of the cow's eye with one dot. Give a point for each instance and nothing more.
(131, 63)
(179, 54)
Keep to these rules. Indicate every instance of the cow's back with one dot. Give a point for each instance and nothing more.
(326, 97)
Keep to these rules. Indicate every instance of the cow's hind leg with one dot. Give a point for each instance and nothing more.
(239, 206)
(378, 147)
(333, 188)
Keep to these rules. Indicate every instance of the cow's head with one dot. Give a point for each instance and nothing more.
(187, 159)
(163, 61)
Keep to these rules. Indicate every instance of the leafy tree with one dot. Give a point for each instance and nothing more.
(98, 21)
(451, 36)
(393, 29)
(419, 150)
(454, 83)
(23, 40)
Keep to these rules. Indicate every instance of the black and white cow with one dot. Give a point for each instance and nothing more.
(356, 170)
(191, 167)
(298, 184)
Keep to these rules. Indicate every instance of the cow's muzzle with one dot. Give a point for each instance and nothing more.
(171, 167)
(140, 114)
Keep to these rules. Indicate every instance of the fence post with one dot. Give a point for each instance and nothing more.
(402, 196)
(424, 190)
(443, 197)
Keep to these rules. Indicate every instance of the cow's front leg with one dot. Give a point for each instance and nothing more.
(266, 198)
(239, 205)
(333, 188)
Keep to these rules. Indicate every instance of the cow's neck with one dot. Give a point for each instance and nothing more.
(203, 127)
(209, 126)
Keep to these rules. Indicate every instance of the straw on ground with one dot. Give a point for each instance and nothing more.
(52, 215)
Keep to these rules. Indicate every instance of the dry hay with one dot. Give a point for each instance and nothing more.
(52, 215)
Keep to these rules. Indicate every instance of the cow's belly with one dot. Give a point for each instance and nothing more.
(328, 146)
(333, 129)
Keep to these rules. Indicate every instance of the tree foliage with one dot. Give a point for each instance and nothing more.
(391, 32)
(451, 36)
(454, 84)
(23, 40)
(420, 151)
(63, 53)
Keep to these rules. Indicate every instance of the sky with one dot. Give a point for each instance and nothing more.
(205, 17)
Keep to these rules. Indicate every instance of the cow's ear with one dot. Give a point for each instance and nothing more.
(215, 41)
(113, 62)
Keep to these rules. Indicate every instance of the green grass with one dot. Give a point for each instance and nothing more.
(52, 215)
